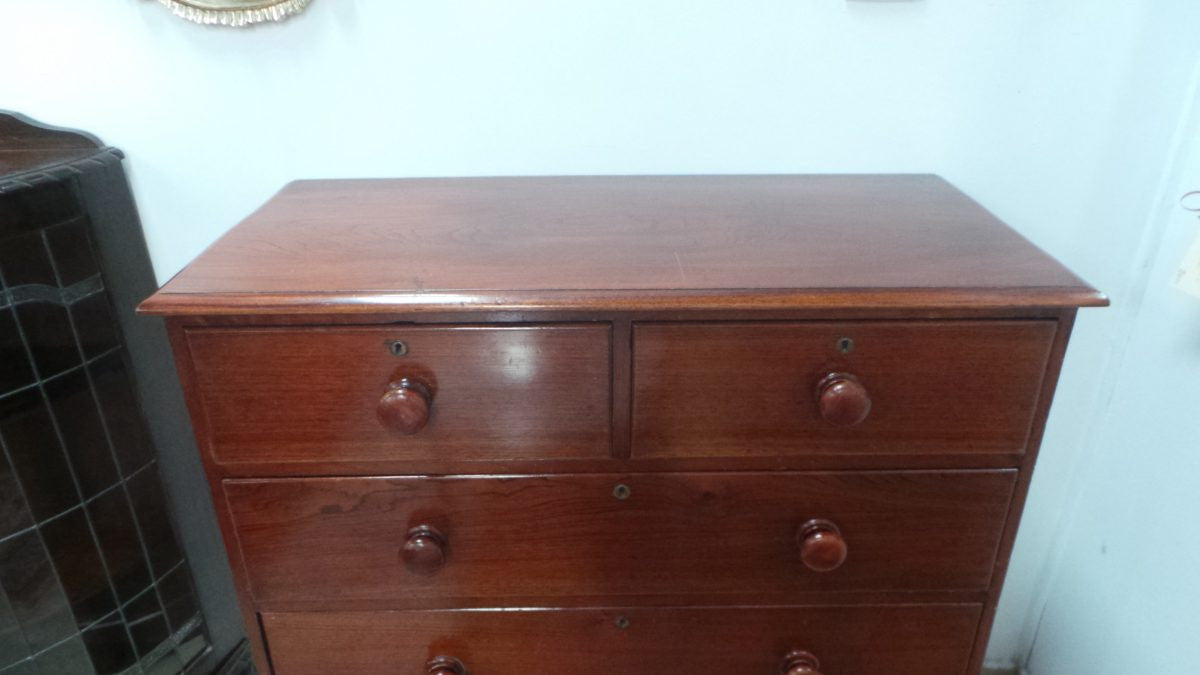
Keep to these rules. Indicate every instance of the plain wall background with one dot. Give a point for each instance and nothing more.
(1123, 595)
(1060, 116)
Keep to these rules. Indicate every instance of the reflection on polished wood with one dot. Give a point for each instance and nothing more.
(843, 400)
(619, 243)
(867, 640)
(800, 662)
(567, 534)
(404, 407)
(500, 392)
(680, 424)
(745, 389)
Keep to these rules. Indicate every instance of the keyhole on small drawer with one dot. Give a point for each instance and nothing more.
(622, 622)
(398, 347)
(845, 345)
(622, 492)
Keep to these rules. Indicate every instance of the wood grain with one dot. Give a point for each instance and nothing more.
(1045, 398)
(569, 336)
(745, 389)
(896, 640)
(27, 145)
(704, 535)
(290, 396)
(728, 242)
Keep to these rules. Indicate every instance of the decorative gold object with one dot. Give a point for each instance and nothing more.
(235, 12)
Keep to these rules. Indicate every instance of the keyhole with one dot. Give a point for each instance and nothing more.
(398, 347)
(845, 345)
(622, 492)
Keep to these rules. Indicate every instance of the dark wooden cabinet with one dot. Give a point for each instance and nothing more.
(864, 387)
(295, 395)
(99, 573)
(601, 535)
(891, 639)
(709, 424)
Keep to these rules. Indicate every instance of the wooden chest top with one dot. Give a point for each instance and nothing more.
(617, 243)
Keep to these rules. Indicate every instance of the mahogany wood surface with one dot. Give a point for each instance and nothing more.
(800, 662)
(823, 547)
(294, 395)
(618, 242)
(445, 665)
(1045, 398)
(777, 424)
(869, 640)
(404, 407)
(250, 615)
(26, 145)
(424, 550)
(737, 389)
(698, 534)
(842, 399)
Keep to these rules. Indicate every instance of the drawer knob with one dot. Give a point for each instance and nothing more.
(822, 547)
(843, 400)
(800, 662)
(424, 550)
(404, 407)
(445, 665)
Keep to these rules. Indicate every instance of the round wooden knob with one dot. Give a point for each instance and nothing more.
(445, 665)
(822, 547)
(843, 400)
(800, 662)
(424, 550)
(404, 407)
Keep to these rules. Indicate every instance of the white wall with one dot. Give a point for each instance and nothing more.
(1123, 592)
(1056, 114)
(1071, 149)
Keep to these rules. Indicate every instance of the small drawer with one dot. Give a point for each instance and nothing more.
(354, 394)
(755, 389)
(532, 538)
(837, 640)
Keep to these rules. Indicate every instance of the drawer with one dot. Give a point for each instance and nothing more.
(353, 394)
(753, 389)
(471, 539)
(864, 640)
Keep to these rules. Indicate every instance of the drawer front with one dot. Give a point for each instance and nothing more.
(865, 640)
(310, 395)
(482, 539)
(713, 389)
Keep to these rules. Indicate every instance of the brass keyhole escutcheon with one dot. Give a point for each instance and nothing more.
(622, 622)
(622, 492)
(845, 345)
(398, 347)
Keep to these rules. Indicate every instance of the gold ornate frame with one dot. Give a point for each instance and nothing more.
(235, 12)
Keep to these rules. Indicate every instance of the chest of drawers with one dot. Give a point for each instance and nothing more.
(712, 424)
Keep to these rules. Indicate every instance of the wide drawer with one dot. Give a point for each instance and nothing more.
(865, 640)
(318, 394)
(753, 389)
(511, 539)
